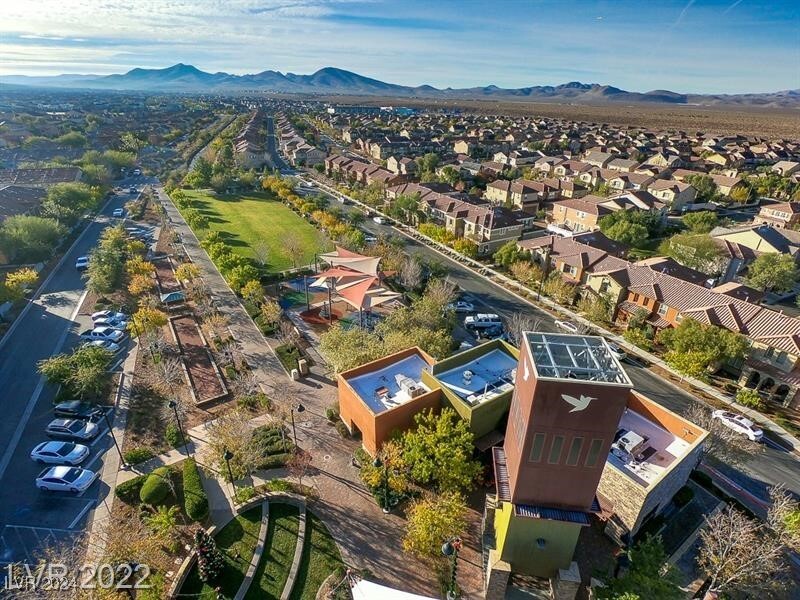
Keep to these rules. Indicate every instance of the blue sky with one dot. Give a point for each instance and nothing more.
(724, 46)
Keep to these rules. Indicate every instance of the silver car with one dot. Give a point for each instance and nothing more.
(103, 333)
(65, 479)
(72, 429)
(60, 453)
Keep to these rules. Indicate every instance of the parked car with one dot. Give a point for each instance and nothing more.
(379, 220)
(72, 429)
(82, 263)
(112, 322)
(137, 172)
(567, 326)
(103, 333)
(461, 306)
(483, 321)
(65, 479)
(105, 345)
(77, 409)
(118, 212)
(60, 453)
(133, 190)
(107, 314)
(739, 424)
(492, 333)
(616, 351)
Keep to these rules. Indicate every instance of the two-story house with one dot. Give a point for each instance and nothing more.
(784, 214)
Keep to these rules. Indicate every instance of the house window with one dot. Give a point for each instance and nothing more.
(573, 271)
(537, 446)
(781, 358)
(769, 352)
(662, 309)
(604, 287)
(635, 298)
(555, 450)
(574, 451)
(594, 452)
(678, 318)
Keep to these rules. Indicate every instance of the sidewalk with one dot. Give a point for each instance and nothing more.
(510, 285)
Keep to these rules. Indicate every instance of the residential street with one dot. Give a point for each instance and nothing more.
(28, 517)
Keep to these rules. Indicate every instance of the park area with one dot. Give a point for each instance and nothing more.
(256, 225)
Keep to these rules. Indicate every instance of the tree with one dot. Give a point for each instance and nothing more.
(740, 554)
(84, 372)
(439, 451)
(195, 219)
(233, 432)
(517, 324)
(139, 266)
(293, 249)
(410, 276)
(141, 284)
(187, 272)
(526, 272)
(722, 444)
(347, 348)
(393, 472)
(66, 202)
(706, 188)
(210, 562)
(146, 322)
(773, 272)
(558, 289)
(597, 308)
(508, 254)
(432, 520)
(696, 251)
(240, 275)
(650, 575)
(130, 142)
(72, 139)
(750, 399)
(261, 251)
(694, 347)
(298, 464)
(466, 247)
(252, 292)
(271, 311)
(626, 232)
(200, 175)
(170, 373)
(13, 288)
(700, 222)
(26, 238)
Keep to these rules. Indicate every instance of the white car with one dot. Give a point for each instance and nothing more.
(108, 334)
(82, 263)
(616, 351)
(111, 322)
(65, 479)
(461, 306)
(739, 424)
(105, 345)
(107, 314)
(60, 453)
(72, 429)
(567, 326)
(483, 321)
(379, 220)
(118, 212)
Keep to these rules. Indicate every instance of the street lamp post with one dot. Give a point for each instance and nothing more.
(305, 281)
(228, 455)
(544, 274)
(378, 463)
(300, 408)
(113, 437)
(174, 406)
(450, 549)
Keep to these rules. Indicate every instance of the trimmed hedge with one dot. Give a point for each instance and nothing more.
(156, 487)
(173, 435)
(128, 491)
(134, 456)
(195, 500)
(274, 461)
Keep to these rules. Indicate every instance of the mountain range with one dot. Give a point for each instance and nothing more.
(181, 78)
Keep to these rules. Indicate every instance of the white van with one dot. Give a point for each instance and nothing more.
(483, 321)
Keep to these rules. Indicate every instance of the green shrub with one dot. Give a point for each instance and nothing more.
(156, 487)
(173, 435)
(195, 500)
(342, 429)
(332, 412)
(244, 494)
(254, 401)
(230, 372)
(639, 338)
(684, 496)
(134, 456)
(128, 491)
(274, 461)
(750, 399)
(278, 485)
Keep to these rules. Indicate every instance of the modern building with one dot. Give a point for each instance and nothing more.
(477, 383)
(382, 397)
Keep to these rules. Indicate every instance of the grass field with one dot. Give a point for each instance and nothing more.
(245, 219)
(320, 558)
(273, 570)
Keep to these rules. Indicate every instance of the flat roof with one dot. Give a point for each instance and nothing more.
(582, 357)
(482, 378)
(658, 450)
(392, 385)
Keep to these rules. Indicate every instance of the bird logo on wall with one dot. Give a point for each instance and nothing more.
(577, 404)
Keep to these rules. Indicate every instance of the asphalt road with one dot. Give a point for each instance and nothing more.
(30, 518)
(773, 466)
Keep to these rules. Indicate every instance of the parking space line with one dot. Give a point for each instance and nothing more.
(31, 527)
(99, 437)
(81, 514)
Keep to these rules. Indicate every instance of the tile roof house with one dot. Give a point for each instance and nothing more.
(783, 214)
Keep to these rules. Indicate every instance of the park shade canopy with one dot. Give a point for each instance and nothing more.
(367, 590)
(356, 279)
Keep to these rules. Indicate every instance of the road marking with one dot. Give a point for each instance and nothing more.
(99, 437)
(95, 459)
(12, 445)
(81, 514)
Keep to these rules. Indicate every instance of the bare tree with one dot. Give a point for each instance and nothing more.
(246, 384)
(722, 443)
(216, 322)
(441, 291)
(287, 333)
(170, 373)
(293, 249)
(298, 464)
(261, 252)
(410, 274)
(518, 323)
(738, 553)
(234, 432)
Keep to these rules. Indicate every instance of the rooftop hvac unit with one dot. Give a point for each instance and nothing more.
(629, 443)
(467, 376)
(408, 385)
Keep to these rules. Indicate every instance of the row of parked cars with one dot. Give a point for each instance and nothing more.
(77, 423)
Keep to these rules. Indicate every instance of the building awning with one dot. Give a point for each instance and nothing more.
(501, 474)
(552, 514)
(493, 438)
(368, 590)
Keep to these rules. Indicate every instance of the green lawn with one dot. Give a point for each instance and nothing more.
(244, 219)
(320, 558)
(273, 570)
(240, 535)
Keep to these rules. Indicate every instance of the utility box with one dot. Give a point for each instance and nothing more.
(302, 364)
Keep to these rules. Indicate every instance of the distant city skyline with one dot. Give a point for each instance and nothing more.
(699, 46)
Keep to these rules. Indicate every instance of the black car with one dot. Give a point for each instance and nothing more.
(76, 409)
